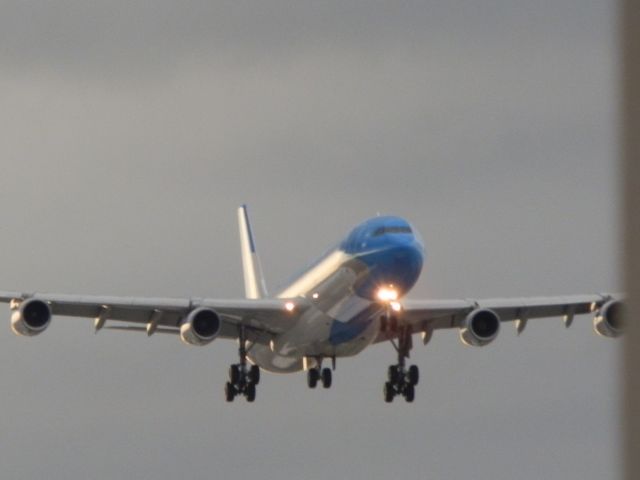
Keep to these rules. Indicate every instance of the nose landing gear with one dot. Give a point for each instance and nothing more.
(324, 376)
(319, 374)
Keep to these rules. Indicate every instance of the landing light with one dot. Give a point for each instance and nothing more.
(395, 306)
(387, 294)
(289, 306)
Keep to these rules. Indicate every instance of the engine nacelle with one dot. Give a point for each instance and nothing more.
(480, 327)
(609, 320)
(31, 318)
(201, 327)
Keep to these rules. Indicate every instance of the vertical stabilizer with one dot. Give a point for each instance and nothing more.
(254, 285)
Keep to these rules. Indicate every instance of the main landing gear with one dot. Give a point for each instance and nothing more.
(242, 377)
(319, 374)
(400, 379)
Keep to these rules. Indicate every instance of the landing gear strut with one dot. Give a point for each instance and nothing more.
(319, 374)
(242, 377)
(400, 379)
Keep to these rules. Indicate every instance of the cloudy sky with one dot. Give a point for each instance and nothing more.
(131, 132)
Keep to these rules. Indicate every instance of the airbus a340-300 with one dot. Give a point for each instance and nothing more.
(351, 298)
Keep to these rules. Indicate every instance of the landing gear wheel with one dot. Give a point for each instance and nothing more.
(312, 377)
(409, 393)
(254, 374)
(400, 379)
(413, 375)
(234, 374)
(242, 377)
(389, 392)
(326, 378)
(250, 392)
(229, 392)
(393, 375)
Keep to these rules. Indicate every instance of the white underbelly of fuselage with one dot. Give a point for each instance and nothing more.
(338, 323)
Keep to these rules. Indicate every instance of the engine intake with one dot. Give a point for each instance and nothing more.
(201, 327)
(609, 320)
(31, 318)
(480, 327)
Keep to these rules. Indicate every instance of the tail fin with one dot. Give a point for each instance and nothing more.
(254, 285)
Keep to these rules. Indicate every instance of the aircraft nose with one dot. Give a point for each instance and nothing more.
(398, 265)
(408, 255)
(407, 248)
(405, 265)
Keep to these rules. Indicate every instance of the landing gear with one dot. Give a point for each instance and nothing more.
(389, 392)
(313, 375)
(242, 381)
(229, 391)
(254, 374)
(400, 380)
(326, 378)
(242, 377)
(319, 374)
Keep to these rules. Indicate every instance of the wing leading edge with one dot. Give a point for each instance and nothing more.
(275, 316)
(261, 318)
(425, 316)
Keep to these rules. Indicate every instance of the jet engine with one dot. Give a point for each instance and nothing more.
(31, 318)
(201, 327)
(480, 327)
(609, 320)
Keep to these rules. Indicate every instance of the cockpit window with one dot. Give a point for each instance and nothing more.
(383, 230)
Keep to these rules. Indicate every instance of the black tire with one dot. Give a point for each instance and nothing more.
(250, 392)
(393, 375)
(388, 392)
(234, 374)
(326, 378)
(254, 374)
(413, 375)
(409, 393)
(229, 392)
(312, 377)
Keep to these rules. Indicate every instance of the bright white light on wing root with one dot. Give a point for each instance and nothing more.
(289, 306)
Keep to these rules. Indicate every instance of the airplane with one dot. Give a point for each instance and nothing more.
(349, 299)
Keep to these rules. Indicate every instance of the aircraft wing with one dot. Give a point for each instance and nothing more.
(261, 318)
(428, 315)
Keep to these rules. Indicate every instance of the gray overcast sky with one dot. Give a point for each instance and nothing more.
(131, 132)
